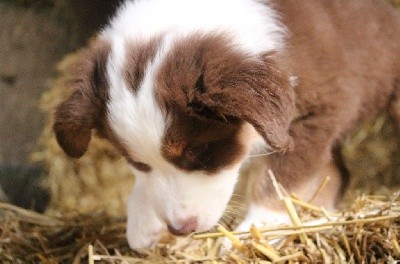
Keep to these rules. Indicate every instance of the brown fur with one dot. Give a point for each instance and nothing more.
(346, 56)
(206, 76)
(194, 143)
(209, 88)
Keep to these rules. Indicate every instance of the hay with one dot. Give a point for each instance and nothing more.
(366, 232)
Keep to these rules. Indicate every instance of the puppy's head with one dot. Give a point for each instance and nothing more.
(184, 112)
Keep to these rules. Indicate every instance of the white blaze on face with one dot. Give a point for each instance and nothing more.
(139, 123)
(135, 118)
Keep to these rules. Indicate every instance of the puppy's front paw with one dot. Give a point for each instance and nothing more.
(260, 217)
(144, 228)
(263, 217)
(142, 237)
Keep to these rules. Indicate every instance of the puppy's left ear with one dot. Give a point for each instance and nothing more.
(256, 92)
(75, 118)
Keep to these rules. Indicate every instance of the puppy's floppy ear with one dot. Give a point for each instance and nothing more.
(75, 118)
(256, 92)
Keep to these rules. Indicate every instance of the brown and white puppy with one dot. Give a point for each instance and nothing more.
(190, 90)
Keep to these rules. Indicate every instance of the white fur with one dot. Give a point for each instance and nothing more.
(136, 119)
(253, 25)
(168, 195)
(144, 226)
(261, 216)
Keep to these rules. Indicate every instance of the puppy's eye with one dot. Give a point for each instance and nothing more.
(196, 151)
(143, 167)
(197, 157)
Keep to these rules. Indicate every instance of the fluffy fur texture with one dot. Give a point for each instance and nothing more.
(190, 90)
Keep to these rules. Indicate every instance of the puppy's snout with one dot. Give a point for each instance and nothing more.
(186, 226)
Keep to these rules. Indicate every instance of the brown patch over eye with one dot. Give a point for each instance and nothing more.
(207, 76)
(196, 157)
(198, 150)
(194, 143)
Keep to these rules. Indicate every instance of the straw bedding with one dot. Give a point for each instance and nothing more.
(366, 232)
(85, 221)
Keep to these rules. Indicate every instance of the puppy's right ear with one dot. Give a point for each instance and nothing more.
(75, 118)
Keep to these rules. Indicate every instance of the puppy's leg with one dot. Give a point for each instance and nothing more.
(262, 216)
(144, 227)
(300, 171)
(330, 193)
(268, 210)
(303, 169)
(261, 213)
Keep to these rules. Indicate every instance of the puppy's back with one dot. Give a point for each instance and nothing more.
(345, 54)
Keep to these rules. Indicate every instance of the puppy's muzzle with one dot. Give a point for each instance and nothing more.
(186, 227)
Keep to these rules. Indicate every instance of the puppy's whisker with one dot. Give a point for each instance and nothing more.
(239, 202)
(244, 204)
(239, 195)
(232, 213)
(261, 154)
(238, 205)
(225, 225)
(228, 219)
(239, 199)
(232, 210)
(235, 208)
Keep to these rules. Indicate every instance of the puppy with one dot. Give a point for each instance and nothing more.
(190, 91)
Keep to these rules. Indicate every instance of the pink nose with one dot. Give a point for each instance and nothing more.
(187, 226)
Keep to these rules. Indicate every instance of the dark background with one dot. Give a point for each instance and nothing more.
(34, 37)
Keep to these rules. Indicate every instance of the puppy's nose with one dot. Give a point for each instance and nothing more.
(187, 226)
